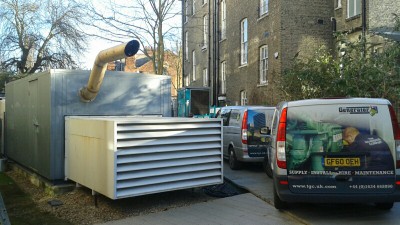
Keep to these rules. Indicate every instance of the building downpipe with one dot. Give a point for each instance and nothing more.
(90, 91)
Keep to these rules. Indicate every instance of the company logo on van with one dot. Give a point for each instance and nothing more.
(372, 110)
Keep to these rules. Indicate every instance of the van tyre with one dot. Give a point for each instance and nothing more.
(384, 206)
(267, 167)
(234, 164)
(278, 203)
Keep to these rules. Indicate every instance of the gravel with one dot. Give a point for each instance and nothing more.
(78, 206)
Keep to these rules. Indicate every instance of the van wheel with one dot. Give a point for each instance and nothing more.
(267, 167)
(278, 203)
(384, 206)
(234, 164)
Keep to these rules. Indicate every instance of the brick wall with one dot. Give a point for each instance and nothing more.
(289, 28)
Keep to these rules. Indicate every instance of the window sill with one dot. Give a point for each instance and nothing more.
(262, 16)
(242, 66)
(222, 40)
(353, 17)
(263, 84)
(204, 48)
(337, 8)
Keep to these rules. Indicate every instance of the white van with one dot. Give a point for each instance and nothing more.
(246, 132)
(335, 151)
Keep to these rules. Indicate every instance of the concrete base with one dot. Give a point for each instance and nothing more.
(42, 183)
(2, 165)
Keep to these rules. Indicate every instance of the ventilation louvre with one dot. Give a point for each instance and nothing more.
(133, 156)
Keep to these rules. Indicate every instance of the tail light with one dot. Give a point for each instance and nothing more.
(244, 128)
(396, 134)
(281, 141)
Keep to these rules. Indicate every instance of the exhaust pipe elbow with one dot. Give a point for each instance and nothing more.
(90, 91)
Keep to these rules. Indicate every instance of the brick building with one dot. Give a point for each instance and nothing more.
(238, 48)
(140, 63)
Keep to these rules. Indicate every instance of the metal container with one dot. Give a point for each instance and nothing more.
(37, 105)
(123, 157)
(193, 102)
(2, 112)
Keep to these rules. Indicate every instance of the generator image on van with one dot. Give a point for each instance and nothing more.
(335, 150)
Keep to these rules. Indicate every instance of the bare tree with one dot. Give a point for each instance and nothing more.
(36, 34)
(141, 19)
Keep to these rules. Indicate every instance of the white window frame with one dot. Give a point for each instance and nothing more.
(205, 77)
(263, 64)
(353, 8)
(194, 65)
(339, 4)
(263, 7)
(193, 7)
(223, 77)
(223, 19)
(205, 31)
(244, 42)
(187, 45)
(243, 97)
(186, 80)
(186, 11)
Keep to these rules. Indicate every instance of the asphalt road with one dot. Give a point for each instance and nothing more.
(254, 180)
(256, 208)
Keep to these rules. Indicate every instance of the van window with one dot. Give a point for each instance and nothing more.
(224, 114)
(343, 147)
(354, 132)
(256, 119)
(275, 122)
(234, 119)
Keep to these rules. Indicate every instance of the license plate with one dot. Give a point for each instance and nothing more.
(342, 162)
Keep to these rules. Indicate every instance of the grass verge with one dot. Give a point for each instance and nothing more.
(21, 209)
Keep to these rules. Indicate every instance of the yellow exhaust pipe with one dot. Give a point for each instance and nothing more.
(89, 92)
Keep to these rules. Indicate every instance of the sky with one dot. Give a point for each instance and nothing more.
(96, 45)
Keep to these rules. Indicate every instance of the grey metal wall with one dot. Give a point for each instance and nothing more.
(36, 106)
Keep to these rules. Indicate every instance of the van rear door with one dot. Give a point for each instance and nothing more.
(256, 141)
(340, 148)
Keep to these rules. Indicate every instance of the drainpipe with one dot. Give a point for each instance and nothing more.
(89, 92)
(216, 51)
(209, 71)
(364, 24)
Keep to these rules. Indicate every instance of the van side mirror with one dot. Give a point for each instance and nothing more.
(265, 130)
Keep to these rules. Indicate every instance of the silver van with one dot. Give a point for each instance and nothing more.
(245, 133)
(335, 151)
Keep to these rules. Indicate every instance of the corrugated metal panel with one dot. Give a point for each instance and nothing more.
(160, 155)
(37, 105)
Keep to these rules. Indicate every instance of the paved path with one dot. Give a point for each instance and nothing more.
(248, 209)
(244, 209)
(253, 179)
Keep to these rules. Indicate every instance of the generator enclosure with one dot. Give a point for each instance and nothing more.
(123, 157)
(193, 102)
(2, 114)
(38, 104)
